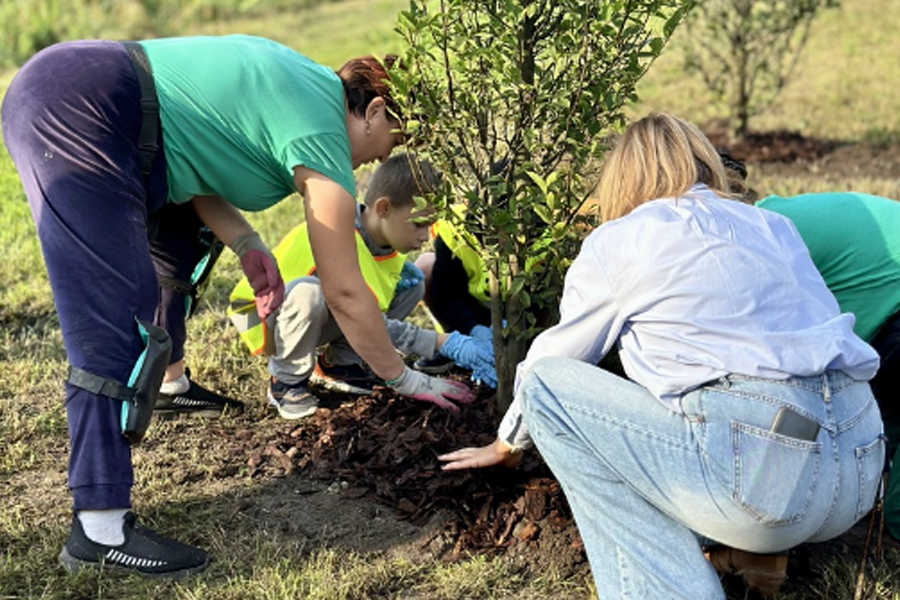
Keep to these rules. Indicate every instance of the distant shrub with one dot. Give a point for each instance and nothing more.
(745, 50)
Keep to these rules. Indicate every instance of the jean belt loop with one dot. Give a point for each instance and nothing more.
(826, 387)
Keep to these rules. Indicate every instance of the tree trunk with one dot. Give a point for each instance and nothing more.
(740, 107)
(509, 324)
(508, 353)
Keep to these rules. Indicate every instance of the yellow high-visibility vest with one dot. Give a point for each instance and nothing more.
(295, 260)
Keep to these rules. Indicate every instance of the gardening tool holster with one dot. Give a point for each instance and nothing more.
(139, 395)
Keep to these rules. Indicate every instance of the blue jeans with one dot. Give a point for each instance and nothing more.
(644, 482)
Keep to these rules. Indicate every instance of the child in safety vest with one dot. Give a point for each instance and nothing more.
(303, 342)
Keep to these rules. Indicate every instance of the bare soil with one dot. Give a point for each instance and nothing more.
(368, 468)
(785, 153)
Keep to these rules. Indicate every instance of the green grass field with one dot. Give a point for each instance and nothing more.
(843, 89)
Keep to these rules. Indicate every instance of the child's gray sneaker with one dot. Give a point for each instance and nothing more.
(293, 400)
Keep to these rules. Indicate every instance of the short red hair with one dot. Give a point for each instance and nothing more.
(366, 78)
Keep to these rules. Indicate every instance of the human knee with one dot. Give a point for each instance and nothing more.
(425, 262)
(540, 387)
(405, 302)
(304, 297)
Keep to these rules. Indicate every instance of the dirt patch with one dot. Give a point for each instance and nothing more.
(369, 479)
(369, 468)
(385, 449)
(786, 153)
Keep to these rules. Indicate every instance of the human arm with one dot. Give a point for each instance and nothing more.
(471, 353)
(482, 332)
(512, 440)
(257, 262)
(496, 453)
(468, 352)
(587, 309)
(410, 276)
(222, 218)
(330, 215)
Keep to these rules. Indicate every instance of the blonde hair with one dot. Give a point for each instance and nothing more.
(659, 156)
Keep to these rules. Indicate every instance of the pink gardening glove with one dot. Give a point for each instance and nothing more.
(424, 388)
(262, 273)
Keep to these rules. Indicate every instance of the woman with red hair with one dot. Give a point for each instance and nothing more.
(104, 134)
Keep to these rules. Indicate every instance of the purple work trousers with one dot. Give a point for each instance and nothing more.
(71, 120)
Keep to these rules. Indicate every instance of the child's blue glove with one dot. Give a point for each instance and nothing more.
(483, 333)
(410, 277)
(471, 353)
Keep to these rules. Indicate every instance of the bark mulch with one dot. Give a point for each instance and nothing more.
(386, 448)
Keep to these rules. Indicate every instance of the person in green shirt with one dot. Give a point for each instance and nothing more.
(103, 134)
(854, 241)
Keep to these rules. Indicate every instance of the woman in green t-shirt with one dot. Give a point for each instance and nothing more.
(103, 134)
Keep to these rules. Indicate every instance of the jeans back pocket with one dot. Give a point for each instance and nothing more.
(774, 476)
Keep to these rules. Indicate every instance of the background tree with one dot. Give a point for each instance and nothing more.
(746, 50)
(513, 100)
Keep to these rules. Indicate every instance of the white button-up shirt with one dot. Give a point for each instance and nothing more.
(694, 288)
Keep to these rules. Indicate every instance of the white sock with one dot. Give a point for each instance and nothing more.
(104, 526)
(176, 386)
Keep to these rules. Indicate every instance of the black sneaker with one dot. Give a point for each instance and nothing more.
(434, 366)
(350, 379)
(144, 551)
(292, 400)
(197, 400)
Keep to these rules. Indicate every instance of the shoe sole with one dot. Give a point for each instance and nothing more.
(209, 413)
(286, 415)
(190, 406)
(337, 386)
(74, 565)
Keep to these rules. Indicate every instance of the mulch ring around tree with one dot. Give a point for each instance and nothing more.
(386, 448)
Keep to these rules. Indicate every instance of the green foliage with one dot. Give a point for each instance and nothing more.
(27, 26)
(746, 50)
(512, 100)
(184, 470)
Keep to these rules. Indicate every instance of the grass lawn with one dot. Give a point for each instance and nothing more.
(292, 538)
